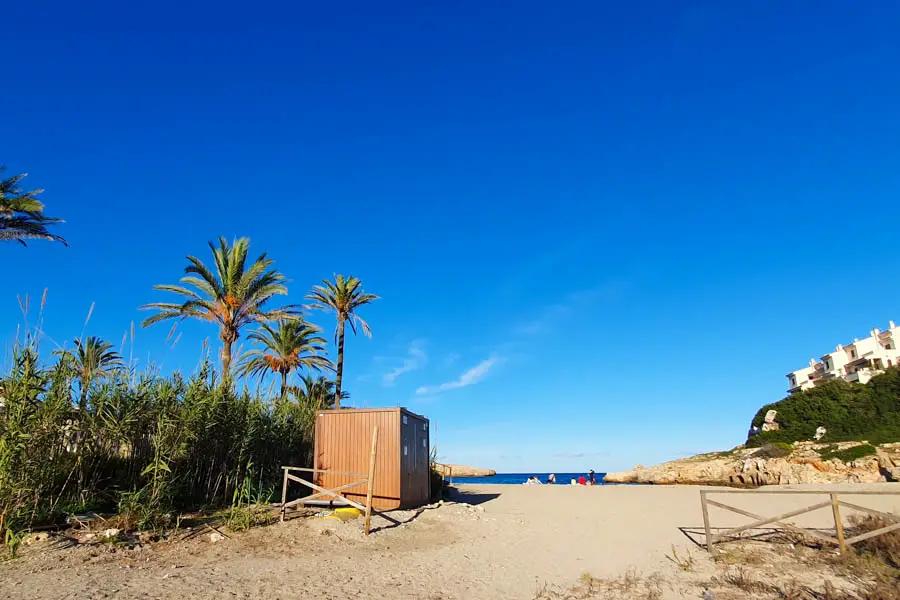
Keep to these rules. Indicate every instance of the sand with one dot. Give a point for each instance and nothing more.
(487, 541)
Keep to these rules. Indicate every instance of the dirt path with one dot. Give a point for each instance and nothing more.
(490, 542)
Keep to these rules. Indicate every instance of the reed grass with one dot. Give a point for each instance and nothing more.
(144, 445)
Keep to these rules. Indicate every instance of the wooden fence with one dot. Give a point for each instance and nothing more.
(365, 479)
(834, 502)
(445, 471)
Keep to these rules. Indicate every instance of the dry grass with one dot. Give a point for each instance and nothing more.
(743, 579)
(881, 591)
(628, 586)
(869, 571)
(886, 547)
(795, 569)
(684, 561)
(740, 555)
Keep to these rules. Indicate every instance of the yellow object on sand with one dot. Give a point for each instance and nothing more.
(344, 514)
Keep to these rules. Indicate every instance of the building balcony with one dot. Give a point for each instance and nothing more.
(805, 385)
(861, 375)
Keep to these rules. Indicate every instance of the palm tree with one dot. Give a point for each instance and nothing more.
(232, 296)
(290, 345)
(91, 360)
(344, 297)
(318, 392)
(21, 214)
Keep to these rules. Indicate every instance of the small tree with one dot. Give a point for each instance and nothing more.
(93, 358)
(291, 345)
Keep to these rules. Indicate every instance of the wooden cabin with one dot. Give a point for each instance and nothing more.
(343, 444)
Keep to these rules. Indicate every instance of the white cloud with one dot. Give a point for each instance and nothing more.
(571, 306)
(470, 377)
(416, 359)
(545, 321)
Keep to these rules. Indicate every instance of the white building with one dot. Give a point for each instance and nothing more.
(857, 362)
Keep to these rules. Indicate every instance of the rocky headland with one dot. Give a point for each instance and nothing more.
(776, 464)
(464, 471)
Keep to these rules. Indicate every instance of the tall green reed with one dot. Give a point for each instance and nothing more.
(143, 444)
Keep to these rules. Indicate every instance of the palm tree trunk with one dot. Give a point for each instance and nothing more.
(82, 401)
(340, 364)
(283, 384)
(226, 359)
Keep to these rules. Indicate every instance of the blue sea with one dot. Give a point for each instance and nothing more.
(520, 478)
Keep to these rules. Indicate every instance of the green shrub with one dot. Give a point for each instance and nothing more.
(848, 454)
(774, 450)
(848, 411)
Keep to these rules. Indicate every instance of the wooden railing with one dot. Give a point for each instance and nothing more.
(446, 471)
(366, 479)
(833, 501)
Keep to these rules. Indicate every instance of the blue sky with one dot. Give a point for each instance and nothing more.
(603, 232)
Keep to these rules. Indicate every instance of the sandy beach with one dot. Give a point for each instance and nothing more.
(485, 541)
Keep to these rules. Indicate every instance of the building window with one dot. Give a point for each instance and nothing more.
(405, 450)
(404, 420)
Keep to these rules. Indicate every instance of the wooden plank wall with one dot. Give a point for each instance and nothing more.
(343, 443)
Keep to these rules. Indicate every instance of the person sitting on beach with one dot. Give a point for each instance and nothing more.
(551, 479)
(582, 480)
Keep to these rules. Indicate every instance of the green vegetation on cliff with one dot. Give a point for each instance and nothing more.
(849, 454)
(848, 411)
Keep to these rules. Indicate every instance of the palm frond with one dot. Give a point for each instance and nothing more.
(161, 316)
(177, 289)
(232, 294)
(198, 268)
(21, 214)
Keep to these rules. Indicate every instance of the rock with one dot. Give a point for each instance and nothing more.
(464, 471)
(216, 537)
(35, 538)
(741, 468)
(111, 533)
(885, 461)
(820, 433)
(770, 424)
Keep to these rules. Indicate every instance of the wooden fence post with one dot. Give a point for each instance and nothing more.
(705, 508)
(284, 493)
(371, 482)
(838, 526)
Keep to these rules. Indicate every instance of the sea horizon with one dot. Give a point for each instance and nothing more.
(562, 478)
